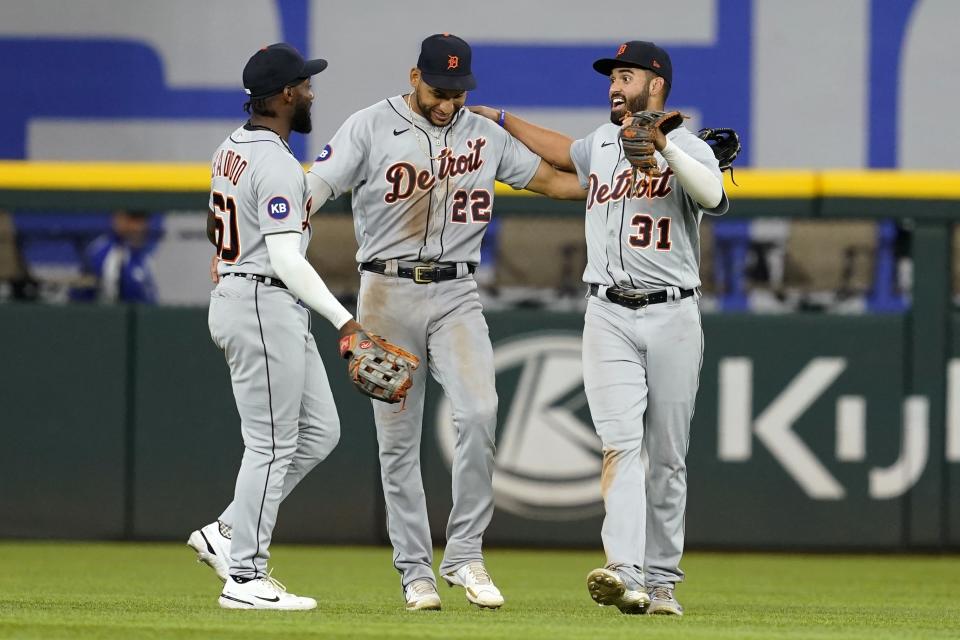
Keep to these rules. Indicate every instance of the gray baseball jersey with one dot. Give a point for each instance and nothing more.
(647, 242)
(257, 188)
(287, 415)
(407, 207)
(641, 367)
(425, 194)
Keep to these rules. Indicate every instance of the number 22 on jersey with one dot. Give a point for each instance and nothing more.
(478, 202)
(228, 233)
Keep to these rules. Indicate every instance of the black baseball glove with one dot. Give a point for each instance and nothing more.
(725, 144)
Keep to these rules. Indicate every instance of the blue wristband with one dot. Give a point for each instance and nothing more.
(503, 116)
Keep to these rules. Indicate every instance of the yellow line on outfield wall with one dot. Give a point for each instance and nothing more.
(753, 183)
(942, 185)
(103, 176)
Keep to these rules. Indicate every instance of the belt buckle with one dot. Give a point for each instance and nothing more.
(418, 272)
(638, 300)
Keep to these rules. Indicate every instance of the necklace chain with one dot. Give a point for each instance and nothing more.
(416, 132)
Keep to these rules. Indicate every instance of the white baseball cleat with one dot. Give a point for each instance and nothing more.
(475, 580)
(607, 588)
(262, 593)
(213, 548)
(422, 595)
(663, 602)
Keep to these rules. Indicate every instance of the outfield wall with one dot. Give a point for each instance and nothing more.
(119, 423)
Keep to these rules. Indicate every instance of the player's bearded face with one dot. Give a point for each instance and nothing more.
(439, 106)
(629, 104)
(629, 92)
(301, 122)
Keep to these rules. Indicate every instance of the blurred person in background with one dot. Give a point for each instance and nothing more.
(19, 284)
(116, 266)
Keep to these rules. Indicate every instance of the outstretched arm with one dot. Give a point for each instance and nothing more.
(552, 146)
(561, 185)
(305, 282)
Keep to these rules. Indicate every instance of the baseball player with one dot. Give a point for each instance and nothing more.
(422, 171)
(259, 204)
(642, 337)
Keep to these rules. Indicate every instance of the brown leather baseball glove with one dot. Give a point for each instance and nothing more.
(637, 137)
(378, 368)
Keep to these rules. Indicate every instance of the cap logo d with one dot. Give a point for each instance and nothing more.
(622, 50)
(365, 344)
(452, 62)
(278, 208)
(655, 64)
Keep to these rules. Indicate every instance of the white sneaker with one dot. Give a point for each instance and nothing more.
(262, 593)
(607, 588)
(212, 547)
(475, 580)
(421, 595)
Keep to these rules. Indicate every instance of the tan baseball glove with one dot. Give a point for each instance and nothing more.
(637, 137)
(378, 368)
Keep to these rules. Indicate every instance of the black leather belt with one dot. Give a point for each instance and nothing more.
(270, 282)
(421, 273)
(636, 299)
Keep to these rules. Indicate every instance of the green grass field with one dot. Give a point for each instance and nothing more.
(114, 590)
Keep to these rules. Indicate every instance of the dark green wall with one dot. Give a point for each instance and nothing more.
(63, 384)
(120, 423)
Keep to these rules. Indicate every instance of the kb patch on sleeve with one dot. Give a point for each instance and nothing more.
(278, 207)
(325, 153)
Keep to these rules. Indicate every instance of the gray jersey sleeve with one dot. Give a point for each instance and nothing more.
(280, 185)
(580, 154)
(341, 163)
(517, 163)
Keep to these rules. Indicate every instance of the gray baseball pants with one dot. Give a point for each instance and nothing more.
(442, 323)
(641, 370)
(287, 415)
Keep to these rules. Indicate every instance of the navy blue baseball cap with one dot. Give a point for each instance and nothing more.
(638, 54)
(444, 63)
(277, 66)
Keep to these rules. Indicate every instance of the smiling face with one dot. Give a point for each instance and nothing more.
(631, 90)
(439, 106)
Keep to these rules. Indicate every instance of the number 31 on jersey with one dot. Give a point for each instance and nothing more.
(645, 226)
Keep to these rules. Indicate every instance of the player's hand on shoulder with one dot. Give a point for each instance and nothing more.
(487, 112)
